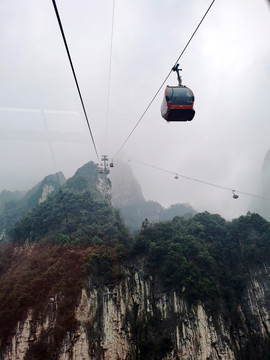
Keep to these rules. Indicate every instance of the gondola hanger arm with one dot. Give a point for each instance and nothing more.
(176, 68)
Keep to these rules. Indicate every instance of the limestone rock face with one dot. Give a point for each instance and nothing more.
(28, 332)
(133, 318)
(47, 189)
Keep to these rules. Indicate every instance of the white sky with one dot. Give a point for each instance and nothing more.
(226, 65)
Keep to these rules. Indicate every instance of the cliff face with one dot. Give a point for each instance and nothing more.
(75, 285)
(134, 319)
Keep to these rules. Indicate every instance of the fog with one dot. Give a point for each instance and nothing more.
(43, 129)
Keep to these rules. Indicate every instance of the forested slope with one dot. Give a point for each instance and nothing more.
(76, 240)
(14, 205)
(205, 256)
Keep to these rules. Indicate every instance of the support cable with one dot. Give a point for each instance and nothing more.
(74, 75)
(202, 181)
(164, 80)
(109, 80)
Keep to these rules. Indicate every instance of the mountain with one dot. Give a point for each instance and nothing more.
(76, 213)
(9, 196)
(13, 205)
(262, 206)
(193, 288)
(127, 196)
(75, 285)
(265, 207)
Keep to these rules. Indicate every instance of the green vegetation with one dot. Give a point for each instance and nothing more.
(13, 205)
(76, 233)
(71, 217)
(9, 196)
(134, 213)
(56, 245)
(205, 256)
(77, 214)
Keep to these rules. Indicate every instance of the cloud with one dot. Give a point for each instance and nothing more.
(226, 65)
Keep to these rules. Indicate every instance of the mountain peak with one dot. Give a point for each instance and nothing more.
(126, 190)
(127, 196)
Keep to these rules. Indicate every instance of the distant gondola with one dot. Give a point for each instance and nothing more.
(178, 101)
(235, 196)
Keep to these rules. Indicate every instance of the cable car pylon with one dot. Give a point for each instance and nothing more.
(104, 183)
(104, 165)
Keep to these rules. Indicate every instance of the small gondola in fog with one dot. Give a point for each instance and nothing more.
(178, 101)
(235, 196)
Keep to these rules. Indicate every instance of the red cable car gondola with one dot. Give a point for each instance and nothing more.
(178, 101)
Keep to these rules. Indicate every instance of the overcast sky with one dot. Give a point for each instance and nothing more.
(226, 65)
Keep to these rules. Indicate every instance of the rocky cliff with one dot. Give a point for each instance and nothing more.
(75, 285)
(134, 319)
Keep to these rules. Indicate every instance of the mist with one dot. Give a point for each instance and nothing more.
(43, 129)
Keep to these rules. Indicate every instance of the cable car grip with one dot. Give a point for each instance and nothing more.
(176, 68)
